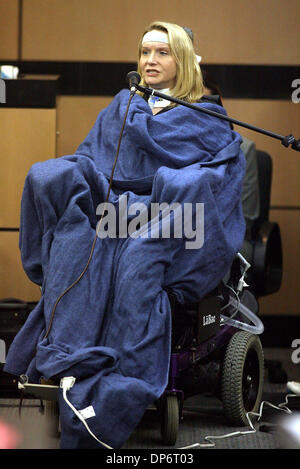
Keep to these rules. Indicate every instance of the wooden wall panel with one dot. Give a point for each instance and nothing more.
(9, 18)
(75, 117)
(27, 136)
(14, 282)
(287, 300)
(281, 117)
(231, 31)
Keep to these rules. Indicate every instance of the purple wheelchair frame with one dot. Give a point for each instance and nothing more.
(184, 359)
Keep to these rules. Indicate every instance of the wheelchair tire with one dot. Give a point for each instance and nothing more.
(242, 377)
(169, 419)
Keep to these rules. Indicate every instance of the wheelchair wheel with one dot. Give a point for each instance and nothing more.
(169, 419)
(242, 377)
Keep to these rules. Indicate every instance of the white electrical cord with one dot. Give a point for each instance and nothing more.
(211, 444)
(66, 384)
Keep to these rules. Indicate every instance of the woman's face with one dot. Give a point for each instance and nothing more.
(157, 65)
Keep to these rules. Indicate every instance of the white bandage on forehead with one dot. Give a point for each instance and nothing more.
(160, 36)
(155, 36)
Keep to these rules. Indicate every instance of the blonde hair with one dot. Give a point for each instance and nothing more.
(189, 81)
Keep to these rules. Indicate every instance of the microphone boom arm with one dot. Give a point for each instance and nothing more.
(285, 140)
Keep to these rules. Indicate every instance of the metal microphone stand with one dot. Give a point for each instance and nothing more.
(285, 140)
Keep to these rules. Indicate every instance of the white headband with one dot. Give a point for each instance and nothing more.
(160, 36)
(156, 36)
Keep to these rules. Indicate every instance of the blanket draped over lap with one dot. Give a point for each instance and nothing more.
(112, 330)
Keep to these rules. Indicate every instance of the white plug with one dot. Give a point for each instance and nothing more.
(67, 382)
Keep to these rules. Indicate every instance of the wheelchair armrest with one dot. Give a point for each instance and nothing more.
(267, 259)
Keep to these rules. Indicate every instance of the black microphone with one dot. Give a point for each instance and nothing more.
(133, 78)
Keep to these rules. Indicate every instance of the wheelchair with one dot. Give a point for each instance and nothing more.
(215, 349)
(215, 354)
(210, 355)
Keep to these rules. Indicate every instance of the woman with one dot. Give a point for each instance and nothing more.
(112, 324)
(167, 62)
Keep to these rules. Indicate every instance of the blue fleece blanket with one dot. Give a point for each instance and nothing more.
(112, 330)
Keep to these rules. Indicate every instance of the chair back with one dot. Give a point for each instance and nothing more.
(267, 252)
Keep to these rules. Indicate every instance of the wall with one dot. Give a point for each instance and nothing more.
(227, 33)
(9, 29)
